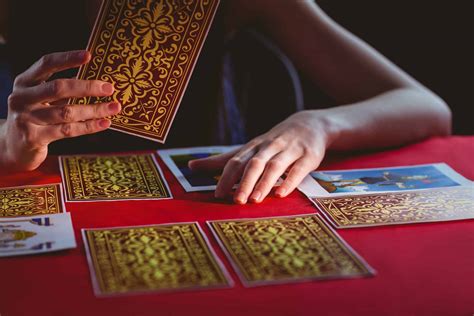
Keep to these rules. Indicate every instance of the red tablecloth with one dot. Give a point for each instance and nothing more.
(423, 269)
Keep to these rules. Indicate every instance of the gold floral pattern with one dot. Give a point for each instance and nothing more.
(152, 258)
(399, 208)
(154, 23)
(132, 81)
(88, 178)
(286, 249)
(30, 200)
(147, 49)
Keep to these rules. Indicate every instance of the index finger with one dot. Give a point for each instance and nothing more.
(49, 64)
(214, 162)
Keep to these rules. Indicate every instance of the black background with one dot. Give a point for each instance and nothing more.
(431, 40)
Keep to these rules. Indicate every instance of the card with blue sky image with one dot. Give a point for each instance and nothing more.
(177, 161)
(381, 180)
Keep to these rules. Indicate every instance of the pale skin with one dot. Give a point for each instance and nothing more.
(381, 106)
(38, 113)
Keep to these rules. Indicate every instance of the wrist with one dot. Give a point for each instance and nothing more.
(329, 127)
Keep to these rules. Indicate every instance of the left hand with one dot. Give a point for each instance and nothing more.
(297, 144)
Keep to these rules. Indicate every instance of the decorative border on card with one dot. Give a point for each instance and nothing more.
(148, 170)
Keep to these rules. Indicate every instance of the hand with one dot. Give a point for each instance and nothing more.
(38, 113)
(297, 144)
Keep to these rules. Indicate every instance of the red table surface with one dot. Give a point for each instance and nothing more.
(423, 269)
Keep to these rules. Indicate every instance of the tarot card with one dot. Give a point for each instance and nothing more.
(445, 204)
(377, 180)
(153, 258)
(31, 200)
(287, 249)
(117, 177)
(36, 234)
(148, 50)
(177, 161)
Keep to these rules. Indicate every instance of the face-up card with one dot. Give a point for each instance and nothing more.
(167, 257)
(446, 204)
(377, 180)
(118, 177)
(177, 161)
(147, 49)
(36, 234)
(31, 200)
(287, 249)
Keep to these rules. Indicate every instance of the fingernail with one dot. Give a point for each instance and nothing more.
(241, 198)
(107, 88)
(280, 192)
(114, 107)
(104, 123)
(255, 197)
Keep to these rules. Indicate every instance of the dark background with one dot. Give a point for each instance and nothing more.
(431, 40)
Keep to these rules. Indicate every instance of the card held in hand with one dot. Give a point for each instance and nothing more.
(446, 204)
(107, 178)
(167, 257)
(31, 200)
(36, 234)
(287, 249)
(147, 49)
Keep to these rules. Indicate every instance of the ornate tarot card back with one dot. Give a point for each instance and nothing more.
(147, 49)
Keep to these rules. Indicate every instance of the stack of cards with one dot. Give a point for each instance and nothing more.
(395, 195)
(32, 221)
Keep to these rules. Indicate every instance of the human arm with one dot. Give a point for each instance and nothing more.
(383, 106)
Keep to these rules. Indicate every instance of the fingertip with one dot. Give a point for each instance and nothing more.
(240, 198)
(81, 56)
(281, 192)
(86, 56)
(104, 124)
(114, 108)
(191, 164)
(222, 194)
(107, 88)
(255, 197)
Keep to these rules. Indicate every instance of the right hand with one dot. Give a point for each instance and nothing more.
(38, 113)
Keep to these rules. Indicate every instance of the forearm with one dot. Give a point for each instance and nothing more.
(342, 65)
(387, 106)
(390, 119)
